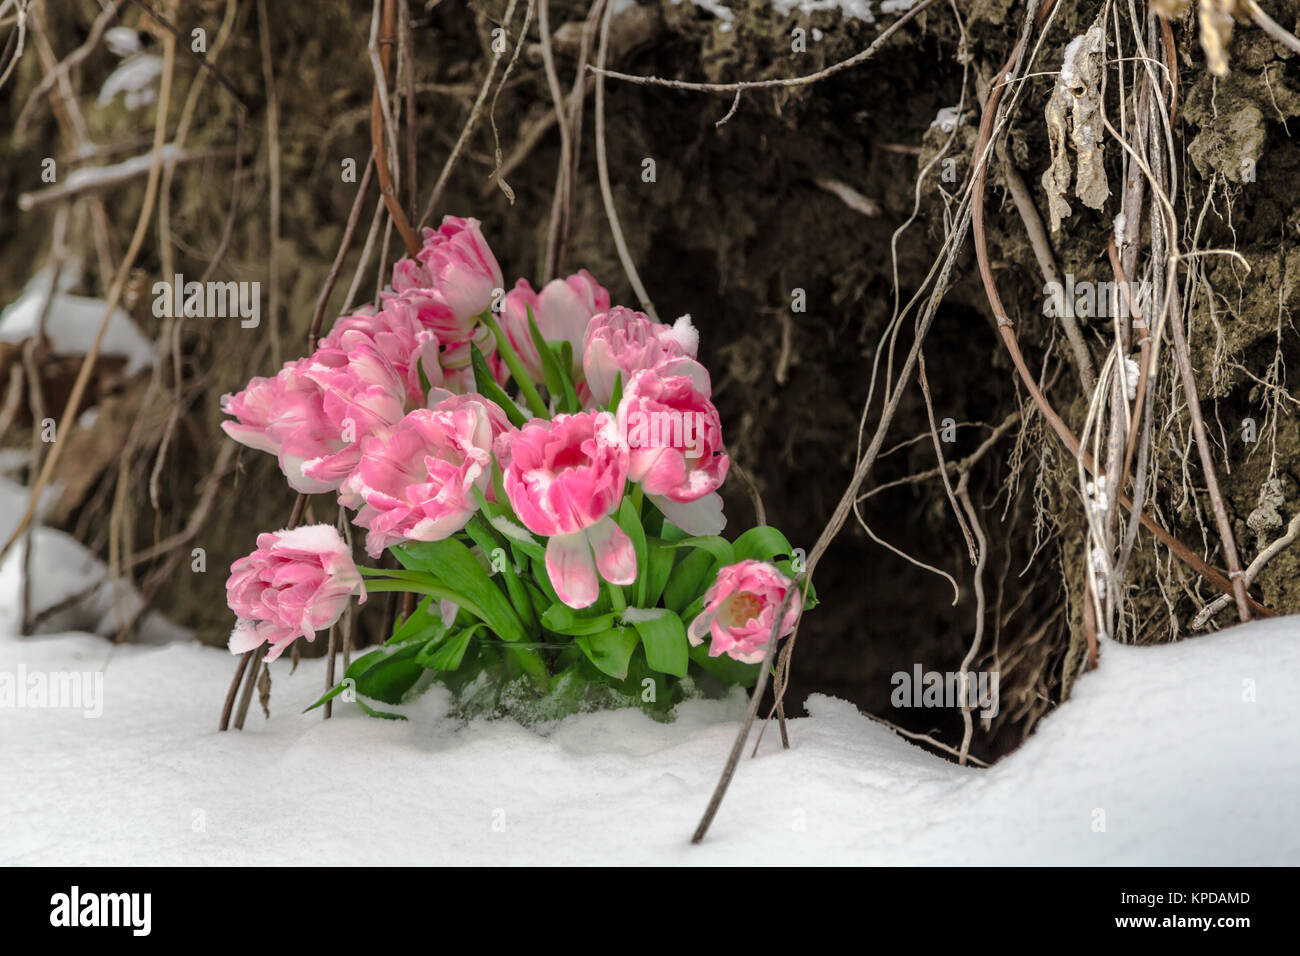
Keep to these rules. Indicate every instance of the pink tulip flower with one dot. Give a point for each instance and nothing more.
(416, 480)
(562, 311)
(445, 400)
(362, 393)
(740, 609)
(622, 342)
(285, 415)
(674, 440)
(564, 478)
(398, 335)
(296, 583)
(452, 280)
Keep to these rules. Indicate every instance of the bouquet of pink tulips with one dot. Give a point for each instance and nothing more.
(564, 541)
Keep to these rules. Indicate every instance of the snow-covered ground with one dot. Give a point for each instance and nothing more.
(1183, 754)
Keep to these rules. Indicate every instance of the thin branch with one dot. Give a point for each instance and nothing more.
(68, 421)
(353, 215)
(60, 72)
(382, 127)
(602, 170)
(852, 61)
(1268, 554)
(436, 196)
(1272, 27)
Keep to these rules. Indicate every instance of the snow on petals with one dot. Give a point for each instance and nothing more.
(621, 342)
(296, 583)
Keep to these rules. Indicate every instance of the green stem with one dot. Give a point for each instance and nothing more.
(616, 598)
(486, 537)
(516, 367)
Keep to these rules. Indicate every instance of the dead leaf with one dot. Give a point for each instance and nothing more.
(264, 690)
(1171, 9)
(1216, 32)
(1073, 115)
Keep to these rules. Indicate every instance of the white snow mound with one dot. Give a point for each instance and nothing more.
(1180, 754)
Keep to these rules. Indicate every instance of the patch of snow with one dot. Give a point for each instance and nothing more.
(855, 9)
(1070, 61)
(640, 615)
(946, 119)
(72, 323)
(1119, 227)
(134, 79)
(723, 13)
(1131, 375)
(511, 530)
(122, 41)
(685, 334)
(62, 568)
(14, 497)
(1162, 743)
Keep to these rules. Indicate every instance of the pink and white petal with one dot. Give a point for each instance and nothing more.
(700, 627)
(689, 368)
(292, 466)
(571, 569)
(748, 657)
(244, 637)
(448, 610)
(252, 437)
(702, 516)
(615, 554)
(278, 649)
(659, 470)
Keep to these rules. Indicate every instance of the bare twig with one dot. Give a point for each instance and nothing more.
(1042, 247)
(602, 170)
(475, 112)
(492, 110)
(60, 72)
(726, 117)
(247, 697)
(97, 179)
(321, 303)
(1182, 354)
(943, 470)
(1272, 27)
(560, 203)
(760, 513)
(532, 134)
(13, 51)
(847, 195)
(382, 126)
(273, 169)
(1248, 576)
(852, 61)
(68, 420)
